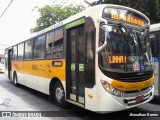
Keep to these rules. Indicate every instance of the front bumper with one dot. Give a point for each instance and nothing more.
(110, 103)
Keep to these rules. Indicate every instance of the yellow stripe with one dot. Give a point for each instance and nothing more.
(131, 86)
(41, 68)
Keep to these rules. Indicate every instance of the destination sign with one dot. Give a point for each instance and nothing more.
(117, 59)
(124, 16)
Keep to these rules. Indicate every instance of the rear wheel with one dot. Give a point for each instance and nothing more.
(59, 94)
(15, 80)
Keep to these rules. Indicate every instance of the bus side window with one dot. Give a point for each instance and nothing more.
(90, 52)
(90, 33)
(28, 49)
(14, 53)
(20, 51)
(58, 44)
(39, 47)
(49, 44)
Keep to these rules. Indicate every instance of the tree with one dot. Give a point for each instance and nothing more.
(151, 8)
(50, 15)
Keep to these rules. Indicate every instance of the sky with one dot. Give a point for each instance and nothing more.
(20, 17)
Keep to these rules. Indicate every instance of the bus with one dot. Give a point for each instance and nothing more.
(98, 59)
(154, 41)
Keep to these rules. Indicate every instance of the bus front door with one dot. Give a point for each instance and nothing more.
(75, 68)
(9, 63)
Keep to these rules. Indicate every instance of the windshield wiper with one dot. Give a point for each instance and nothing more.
(130, 35)
(127, 31)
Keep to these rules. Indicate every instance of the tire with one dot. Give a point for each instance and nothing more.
(15, 80)
(59, 95)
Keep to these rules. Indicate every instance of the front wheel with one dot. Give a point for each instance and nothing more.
(59, 95)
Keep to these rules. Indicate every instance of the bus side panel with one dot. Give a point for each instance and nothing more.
(92, 89)
(37, 74)
(55, 69)
(28, 76)
(17, 66)
(38, 67)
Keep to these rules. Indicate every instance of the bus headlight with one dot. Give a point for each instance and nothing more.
(109, 88)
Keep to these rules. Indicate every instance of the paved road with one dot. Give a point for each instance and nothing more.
(25, 99)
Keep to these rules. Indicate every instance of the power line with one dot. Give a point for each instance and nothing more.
(6, 8)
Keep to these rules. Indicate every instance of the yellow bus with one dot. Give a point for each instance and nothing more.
(98, 59)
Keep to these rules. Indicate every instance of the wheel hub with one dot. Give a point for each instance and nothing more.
(59, 94)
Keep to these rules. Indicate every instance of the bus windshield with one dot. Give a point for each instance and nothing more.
(126, 50)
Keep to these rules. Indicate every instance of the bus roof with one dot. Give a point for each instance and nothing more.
(84, 13)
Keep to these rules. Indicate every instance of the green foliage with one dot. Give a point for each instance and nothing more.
(150, 8)
(50, 15)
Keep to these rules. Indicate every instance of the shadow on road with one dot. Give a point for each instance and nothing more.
(156, 100)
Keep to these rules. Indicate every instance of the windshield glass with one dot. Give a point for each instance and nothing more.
(126, 50)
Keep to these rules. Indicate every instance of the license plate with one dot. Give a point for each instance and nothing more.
(139, 98)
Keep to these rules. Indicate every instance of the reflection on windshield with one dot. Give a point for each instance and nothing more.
(130, 44)
(118, 43)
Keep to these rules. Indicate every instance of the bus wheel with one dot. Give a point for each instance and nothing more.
(15, 80)
(59, 94)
